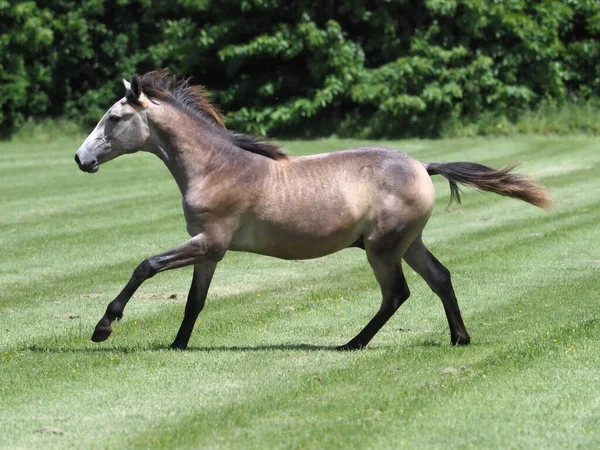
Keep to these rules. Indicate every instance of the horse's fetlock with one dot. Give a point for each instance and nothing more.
(114, 311)
(460, 339)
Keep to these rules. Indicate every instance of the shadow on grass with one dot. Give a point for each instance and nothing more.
(244, 348)
(161, 347)
(127, 349)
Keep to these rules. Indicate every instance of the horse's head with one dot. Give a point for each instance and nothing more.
(122, 129)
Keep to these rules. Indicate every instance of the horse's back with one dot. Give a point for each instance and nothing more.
(382, 173)
(316, 205)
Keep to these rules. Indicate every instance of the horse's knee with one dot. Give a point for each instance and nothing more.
(207, 249)
(147, 269)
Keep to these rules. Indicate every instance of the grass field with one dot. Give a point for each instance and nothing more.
(259, 372)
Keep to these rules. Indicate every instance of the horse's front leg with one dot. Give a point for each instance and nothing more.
(199, 249)
(203, 274)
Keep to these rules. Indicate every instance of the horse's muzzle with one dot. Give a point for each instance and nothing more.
(89, 167)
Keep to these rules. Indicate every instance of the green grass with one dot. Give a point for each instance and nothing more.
(259, 372)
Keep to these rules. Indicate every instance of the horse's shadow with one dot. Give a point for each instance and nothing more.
(243, 348)
(158, 347)
(163, 347)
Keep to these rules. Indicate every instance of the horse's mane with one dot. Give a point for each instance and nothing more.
(193, 100)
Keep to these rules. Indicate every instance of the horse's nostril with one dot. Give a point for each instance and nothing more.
(88, 166)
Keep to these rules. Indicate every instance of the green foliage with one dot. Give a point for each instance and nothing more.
(391, 68)
(24, 89)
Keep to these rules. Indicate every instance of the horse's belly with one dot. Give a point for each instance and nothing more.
(296, 241)
(300, 249)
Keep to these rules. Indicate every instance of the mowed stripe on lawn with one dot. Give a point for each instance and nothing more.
(256, 374)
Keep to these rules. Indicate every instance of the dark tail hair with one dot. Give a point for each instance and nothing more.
(483, 178)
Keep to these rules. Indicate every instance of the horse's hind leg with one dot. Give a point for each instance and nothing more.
(203, 274)
(387, 266)
(438, 278)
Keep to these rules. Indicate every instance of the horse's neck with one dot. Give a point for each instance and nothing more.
(193, 154)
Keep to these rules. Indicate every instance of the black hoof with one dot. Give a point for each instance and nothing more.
(462, 339)
(102, 331)
(349, 347)
(176, 346)
(101, 334)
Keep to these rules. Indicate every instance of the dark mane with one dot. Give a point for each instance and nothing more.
(256, 145)
(193, 100)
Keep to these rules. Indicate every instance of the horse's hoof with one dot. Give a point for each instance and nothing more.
(462, 339)
(176, 346)
(102, 331)
(349, 347)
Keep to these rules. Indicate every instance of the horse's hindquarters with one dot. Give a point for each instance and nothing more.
(316, 206)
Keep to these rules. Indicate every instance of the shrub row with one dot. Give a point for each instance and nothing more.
(304, 67)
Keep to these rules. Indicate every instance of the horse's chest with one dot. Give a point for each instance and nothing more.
(195, 218)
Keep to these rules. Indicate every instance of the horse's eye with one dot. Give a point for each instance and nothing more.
(114, 118)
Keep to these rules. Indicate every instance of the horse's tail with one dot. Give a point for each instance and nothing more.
(484, 178)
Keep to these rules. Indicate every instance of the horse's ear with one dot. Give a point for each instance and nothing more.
(134, 94)
(136, 86)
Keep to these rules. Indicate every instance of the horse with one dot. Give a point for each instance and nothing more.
(244, 193)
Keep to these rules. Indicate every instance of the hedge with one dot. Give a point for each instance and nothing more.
(304, 67)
